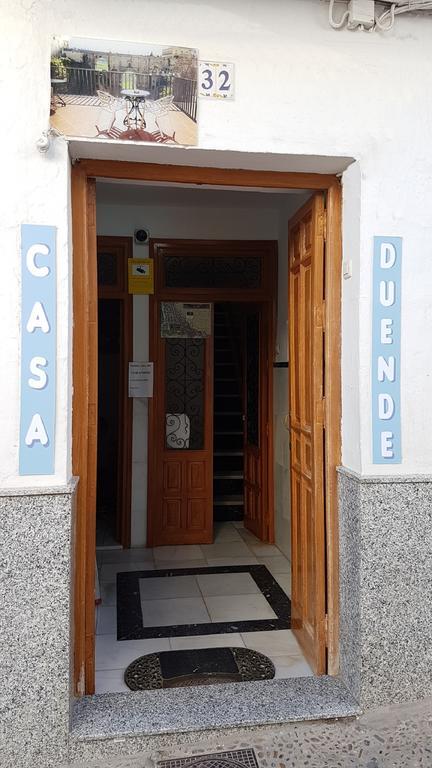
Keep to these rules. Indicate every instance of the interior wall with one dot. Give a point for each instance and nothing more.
(202, 214)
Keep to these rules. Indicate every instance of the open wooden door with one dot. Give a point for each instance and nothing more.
(255, 421)
(182, 493)
(114, 452)
(306, 342)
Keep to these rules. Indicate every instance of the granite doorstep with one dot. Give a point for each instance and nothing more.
(391, 737)
(142, 718)
(385, 588)
(35, 605)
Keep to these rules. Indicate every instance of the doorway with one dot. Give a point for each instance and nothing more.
(202, 450)
(114, 428)
(243, 433)
(82, 184)
(228, 414)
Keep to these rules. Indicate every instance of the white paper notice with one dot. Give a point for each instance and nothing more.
(140, 379)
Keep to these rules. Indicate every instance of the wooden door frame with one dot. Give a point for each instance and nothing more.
(125, 402)
(265, 296)
(84, 414)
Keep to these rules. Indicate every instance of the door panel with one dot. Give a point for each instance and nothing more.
(306, 305)
(196, 514)
(255, 421)
(196, 480)
(171, 518)
(182, 498)
(172, 476)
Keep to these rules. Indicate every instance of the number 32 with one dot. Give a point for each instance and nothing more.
(208, 80)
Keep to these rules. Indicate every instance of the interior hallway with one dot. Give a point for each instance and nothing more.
(195, 599)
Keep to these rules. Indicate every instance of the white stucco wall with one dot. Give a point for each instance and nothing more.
(302, 89)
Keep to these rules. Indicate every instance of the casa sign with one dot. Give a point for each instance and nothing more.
(38, 350)
(386, 344)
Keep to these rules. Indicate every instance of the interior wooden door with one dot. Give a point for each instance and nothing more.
(255, 423)
(182, 496)
(115, 335)
(306, 402)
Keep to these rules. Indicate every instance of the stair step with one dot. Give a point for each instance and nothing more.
(227, 452)
(222, 396)
(228, 476)
(230, 501)
(228, 432)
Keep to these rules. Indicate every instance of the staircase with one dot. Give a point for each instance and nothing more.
(228, 416)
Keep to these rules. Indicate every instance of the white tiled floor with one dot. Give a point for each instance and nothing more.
(194, 599)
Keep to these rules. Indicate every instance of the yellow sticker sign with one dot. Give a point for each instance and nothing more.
(140, 276)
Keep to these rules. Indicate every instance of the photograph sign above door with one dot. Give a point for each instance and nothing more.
(125, 91)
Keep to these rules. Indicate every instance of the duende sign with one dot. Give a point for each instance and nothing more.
(38, 350)
(386, 331)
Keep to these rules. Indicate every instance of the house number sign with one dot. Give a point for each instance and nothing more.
(216, 80)
(386, 343)
(38, 350)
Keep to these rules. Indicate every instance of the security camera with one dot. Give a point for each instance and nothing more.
(141, 236)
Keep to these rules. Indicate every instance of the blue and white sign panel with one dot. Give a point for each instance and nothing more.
(38, 350)
(386, 343)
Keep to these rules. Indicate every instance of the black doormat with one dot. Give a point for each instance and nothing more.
(129, 612)
(238, 758)
(197, 666)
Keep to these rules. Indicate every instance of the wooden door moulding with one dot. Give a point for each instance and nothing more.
(226, 249)
(333, 414)
(189, 174)
(84, 423)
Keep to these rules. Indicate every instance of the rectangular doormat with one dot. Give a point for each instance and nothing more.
(129, 608)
